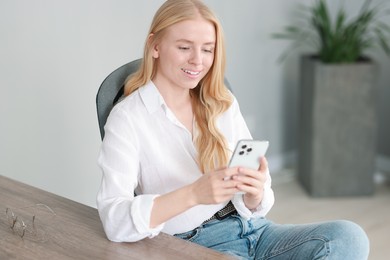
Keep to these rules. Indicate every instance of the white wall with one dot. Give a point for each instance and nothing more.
(54, 55)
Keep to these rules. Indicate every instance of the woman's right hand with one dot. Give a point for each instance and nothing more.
(215, 187)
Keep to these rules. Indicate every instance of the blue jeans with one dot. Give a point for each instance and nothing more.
(262, 239)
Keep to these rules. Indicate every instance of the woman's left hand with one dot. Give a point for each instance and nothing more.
(252, 183)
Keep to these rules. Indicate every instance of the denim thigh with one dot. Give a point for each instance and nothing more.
(340, 239)
(262, 239)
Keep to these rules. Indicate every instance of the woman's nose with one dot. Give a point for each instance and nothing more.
(196, 57)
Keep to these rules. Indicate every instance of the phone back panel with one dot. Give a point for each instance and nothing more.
(248, 153)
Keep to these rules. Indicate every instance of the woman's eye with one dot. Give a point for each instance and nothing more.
(184, 48)
(208, 50)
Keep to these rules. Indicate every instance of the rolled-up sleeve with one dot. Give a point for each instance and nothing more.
(125, 218)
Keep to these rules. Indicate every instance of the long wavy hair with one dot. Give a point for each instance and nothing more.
(211, 97)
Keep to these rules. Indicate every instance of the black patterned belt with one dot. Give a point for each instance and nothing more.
(227, 211)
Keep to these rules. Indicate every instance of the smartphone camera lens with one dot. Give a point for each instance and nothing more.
(241, 152)
(249, 150)
(244, 146)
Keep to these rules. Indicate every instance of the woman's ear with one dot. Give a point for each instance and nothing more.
(153, 46)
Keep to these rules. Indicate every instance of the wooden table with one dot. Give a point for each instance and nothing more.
(77, 233)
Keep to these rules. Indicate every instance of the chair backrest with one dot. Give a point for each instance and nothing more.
(112, 89)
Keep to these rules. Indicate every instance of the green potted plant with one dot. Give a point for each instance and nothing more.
(341, 40)
(338, 121)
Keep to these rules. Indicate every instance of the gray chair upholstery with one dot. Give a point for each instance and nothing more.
(112, 89)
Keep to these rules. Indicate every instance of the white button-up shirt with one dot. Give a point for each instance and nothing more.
(146, 150)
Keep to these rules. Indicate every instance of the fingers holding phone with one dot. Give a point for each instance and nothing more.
(252, 181)
(249, 157)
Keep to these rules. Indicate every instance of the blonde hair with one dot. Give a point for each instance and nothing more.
(210, 98)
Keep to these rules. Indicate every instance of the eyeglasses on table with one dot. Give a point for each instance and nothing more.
(26, 225)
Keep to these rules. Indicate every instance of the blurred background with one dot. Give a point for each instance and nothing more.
(55, 54)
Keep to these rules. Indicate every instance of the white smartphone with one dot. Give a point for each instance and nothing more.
(248, 153)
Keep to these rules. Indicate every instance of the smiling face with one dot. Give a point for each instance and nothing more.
(184, 54)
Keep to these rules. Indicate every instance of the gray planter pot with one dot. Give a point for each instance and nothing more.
(337, 139)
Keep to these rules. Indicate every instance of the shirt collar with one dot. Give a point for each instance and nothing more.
(153, 102)
(152, 98)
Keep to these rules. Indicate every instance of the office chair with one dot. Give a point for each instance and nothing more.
(112, 89)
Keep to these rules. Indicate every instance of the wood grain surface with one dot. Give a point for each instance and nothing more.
(75, 232)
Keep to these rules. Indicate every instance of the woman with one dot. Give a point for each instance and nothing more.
(169, 141)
